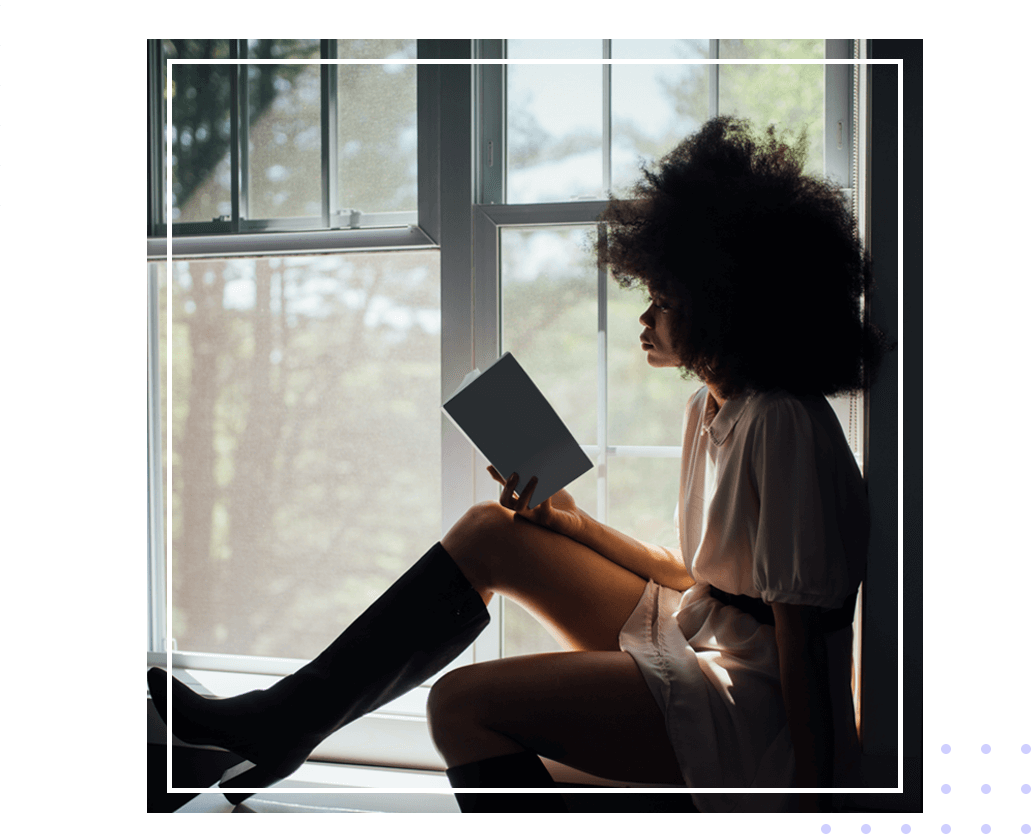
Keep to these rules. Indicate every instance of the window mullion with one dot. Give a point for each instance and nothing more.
(714, 79)
(155, 488)
(244, 115)
(330, 184)
(234, 134)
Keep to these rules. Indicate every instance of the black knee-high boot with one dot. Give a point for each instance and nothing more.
(514, 770)
(419, 625)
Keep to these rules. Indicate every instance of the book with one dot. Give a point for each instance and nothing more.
(511, 423)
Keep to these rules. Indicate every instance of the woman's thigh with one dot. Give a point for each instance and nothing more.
(590, 710)
(580, 596)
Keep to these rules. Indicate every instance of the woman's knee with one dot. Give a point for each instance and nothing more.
(452, 710)
(473, 541)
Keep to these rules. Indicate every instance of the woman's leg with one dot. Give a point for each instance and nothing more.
(580, 596)
(590, 710)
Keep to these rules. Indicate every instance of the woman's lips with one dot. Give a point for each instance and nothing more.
(645, 344)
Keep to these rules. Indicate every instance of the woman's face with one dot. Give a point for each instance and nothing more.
(657, 338)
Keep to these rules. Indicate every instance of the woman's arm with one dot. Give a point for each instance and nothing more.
(805, 686)
(560, 513)
(649, 561)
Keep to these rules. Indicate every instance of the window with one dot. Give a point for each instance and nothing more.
(277, 147)
(317, 324)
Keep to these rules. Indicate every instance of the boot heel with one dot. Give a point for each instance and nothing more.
(250, 775)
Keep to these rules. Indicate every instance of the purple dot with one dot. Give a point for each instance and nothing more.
(946, 789)
(946, 828)
(865, 829)
(986, 828)
(905, 828)
(825, 828)
(986, 788)
(1026, 828)
(1025, 749)
(1025, 788)
(986, 748)
(945, 748)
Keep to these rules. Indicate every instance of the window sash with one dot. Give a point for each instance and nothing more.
(348, 229)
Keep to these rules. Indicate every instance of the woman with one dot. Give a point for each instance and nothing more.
(723, 664)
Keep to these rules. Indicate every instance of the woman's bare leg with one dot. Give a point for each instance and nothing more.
(589, 710)
(580, 596)
(590, 707)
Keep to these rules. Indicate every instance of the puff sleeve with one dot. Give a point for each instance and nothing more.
(798, 551)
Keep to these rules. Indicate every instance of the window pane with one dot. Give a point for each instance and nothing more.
(200, 131)
(643, 497)
(646, 404)
(305, 443)
(284, 131)
(790, 96)
(549, 314)
(554, 123)
(377, 139)
(654, 106)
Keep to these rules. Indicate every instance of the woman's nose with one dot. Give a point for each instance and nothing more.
(646, 317)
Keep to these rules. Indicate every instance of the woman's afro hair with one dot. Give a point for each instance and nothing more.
(759, 261)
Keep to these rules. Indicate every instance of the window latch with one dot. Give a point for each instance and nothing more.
(349, 218)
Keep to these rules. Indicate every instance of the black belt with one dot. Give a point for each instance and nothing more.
(828, 620)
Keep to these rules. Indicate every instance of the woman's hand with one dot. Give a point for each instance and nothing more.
(558, 513)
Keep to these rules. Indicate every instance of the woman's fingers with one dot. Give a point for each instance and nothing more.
(507, 498)
(526, 495)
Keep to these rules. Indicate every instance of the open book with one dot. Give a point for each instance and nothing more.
(507, 418)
